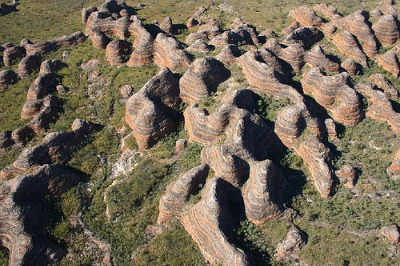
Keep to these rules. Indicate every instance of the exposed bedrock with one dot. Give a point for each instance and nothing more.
(199, 46)
(392, 233)
(333, 93)
(316, 157)
(305, 36)
(143, 45)
(55, 147)
(42, 86)
(382, 83)
(24, 216)
(229, 54)
(293, 242)
(111, 26)
(263, 192)
(386, 7)
(7, 77)
(394, 168)
(201, 78)
(316, 57)
(52, 45)
(168, 52)
(328, 11)
(305, 16)
(241, 34)
(379, 106)
(148, 111)
(350, 66)
(387, 30)
(389, 61)
(356, 23)
(292, 54)
(348, 45)
(166, 25)
(12, 54)
(28, 65)
(116, 50)
(177, 194)
(99, 40)
(209, 223)
(85, 13)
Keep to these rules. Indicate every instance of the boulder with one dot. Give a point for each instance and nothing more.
(293, 243)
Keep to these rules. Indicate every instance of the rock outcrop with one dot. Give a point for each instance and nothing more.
(390, 62)
(166, 25)
(209, 223)
(392, 233)
(199, 46)
(292, 54)
(333, 93)
(24, 217)
(379, 106)
(316, 58)
(168, 52)
(263, 192)
(7, 77)
(228, 54)
(293, 242)
(12, 54)
(241, 34)
(116, 50)
(177, 194)
(348, 45)
(202, 76)
(148, 111)
(28, 65)
(55, 44)
(348, 175)
(55, 147)
(350, 66)
(394, 168)
(387, 30)
(305, 36)
(305, 17)
(381, 82)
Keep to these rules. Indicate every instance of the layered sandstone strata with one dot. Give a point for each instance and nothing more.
(394, 168)
(148, 111)
(387, 30)
(241, 34)
(305, 36)
(348, 45)
(328, 11)
(263, 192)
(7, 77)
(292, 54)
(168, 52)
(28, 65)
(199, 46)
(293, 242)
(106, 23)
(333, 93)
(202, 76)
(228, 54)
(55, 147)
(379, 106)
(381, 82)
(55, 44)
(177, 194)
(24, 216)
(12, 54)
(209, 223)
(166, 25)
(116, 50)
(316, 57)
(142, 53)
(389, 61)
(347, 174)
(305, 16)
(350, 66)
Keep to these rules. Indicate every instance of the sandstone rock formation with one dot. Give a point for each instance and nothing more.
(55, 147)
(55, 44)
(389, 61)
(24, 217)
(28, 65)
(333, 93)
(228, 54)
(86, 13)
(5, 140)
(209, 224)
(348, 45)
(178, 193)
(241, 34)
(115, 51)
(166, 25)
(316, 58)
(392, 233)
(386, 7)
(350, 66)
(381, 82)
(305, 16)
(305, 36)
(328, 11)
(347, 174)
(105, 22)
(199, 46)
(356, 23)
(263, 192)
(293, 242)
(394, 168)
(12, 54)
(387, 30)
(168, 52)
(7, 78)
(202, 76)
(147, 111)
(143, 44)
(292, 54)
(379, 106)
